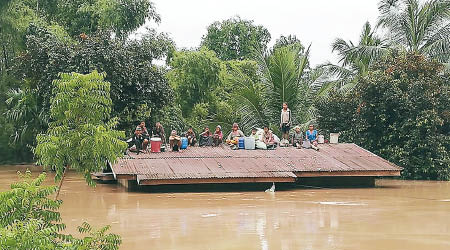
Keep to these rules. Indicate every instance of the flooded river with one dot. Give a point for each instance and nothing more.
(394, 215)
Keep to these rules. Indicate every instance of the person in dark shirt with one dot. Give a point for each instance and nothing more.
(145, 135)
(190, 135)
(138, 139)
(205, 138)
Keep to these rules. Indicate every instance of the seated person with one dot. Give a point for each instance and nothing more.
(205, 138)
(138, 139)
(297, 137)
(268, 138)
(158, 131)
(190, 135)
(145, 134)
(311, 135)
(233, 137)
(174, 141)
(217, 136)
(258, 143)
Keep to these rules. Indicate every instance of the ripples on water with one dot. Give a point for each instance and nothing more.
(395, 215)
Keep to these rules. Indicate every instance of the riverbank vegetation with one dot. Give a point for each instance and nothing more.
(30, 220)
(389, 92)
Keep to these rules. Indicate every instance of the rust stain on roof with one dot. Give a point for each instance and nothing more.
(264, 165)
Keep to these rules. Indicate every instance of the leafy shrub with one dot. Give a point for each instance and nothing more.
(81, 134)
(30, 220)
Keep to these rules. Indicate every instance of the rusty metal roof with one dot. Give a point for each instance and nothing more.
(222, 163)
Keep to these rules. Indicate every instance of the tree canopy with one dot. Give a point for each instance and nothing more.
(84, 141)
(398, 111)
(236, 39)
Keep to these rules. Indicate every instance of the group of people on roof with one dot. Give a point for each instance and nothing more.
(263, 138)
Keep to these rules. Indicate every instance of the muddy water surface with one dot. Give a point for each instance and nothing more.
(394, 215)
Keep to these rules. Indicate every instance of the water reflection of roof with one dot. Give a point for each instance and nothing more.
(223, 165)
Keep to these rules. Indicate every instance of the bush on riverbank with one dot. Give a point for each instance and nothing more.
(30, 220)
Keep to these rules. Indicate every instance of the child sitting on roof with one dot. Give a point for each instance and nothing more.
(217, 136)
(233, 137)
(268, 138)
(311, 135)
(257, 135)
(297, 137)
(174, 141)
(190, 135)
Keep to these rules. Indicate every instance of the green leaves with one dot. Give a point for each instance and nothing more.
(418, 27)
(399, 111)
(282, 76)
(194, 77)
(236, 39)
(30, 220)
(78, 136)
(28, 200)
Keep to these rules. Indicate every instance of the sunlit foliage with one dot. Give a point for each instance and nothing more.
(81, 135)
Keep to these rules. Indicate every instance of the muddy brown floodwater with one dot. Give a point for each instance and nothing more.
(394, 215)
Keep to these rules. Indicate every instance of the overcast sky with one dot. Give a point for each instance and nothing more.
(317, 22)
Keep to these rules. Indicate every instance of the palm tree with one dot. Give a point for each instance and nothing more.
(29, 118)
(355, 60)
(284, 76)
(415, 27)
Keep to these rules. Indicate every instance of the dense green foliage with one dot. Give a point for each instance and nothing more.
(236, 39)
(81, 140)
(128, 66)
(400, 111)
(89, 16)
(233, 76)
(30, 220)
(194, 77)
(39, 39)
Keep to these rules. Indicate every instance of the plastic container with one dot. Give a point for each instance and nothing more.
(155, 144)
(184, 142)
(249, 143)
(334, 138)
(321, 139)
(241, 144)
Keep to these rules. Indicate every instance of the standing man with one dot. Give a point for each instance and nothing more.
(285, 124)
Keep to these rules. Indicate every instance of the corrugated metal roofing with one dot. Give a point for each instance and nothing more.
(222, 162)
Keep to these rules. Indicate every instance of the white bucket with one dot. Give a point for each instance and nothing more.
(334, 137)
(321, 139)
(249, 142)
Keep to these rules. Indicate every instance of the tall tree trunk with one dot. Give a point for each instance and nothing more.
(61, 182)
(5, 57)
